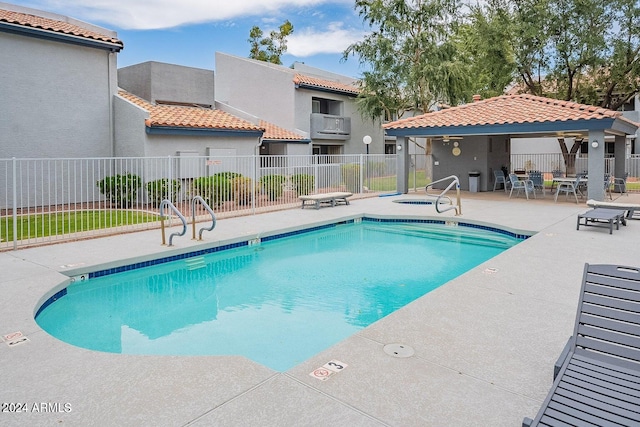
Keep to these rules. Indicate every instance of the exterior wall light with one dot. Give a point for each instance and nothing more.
(399, 147)
(594, 144)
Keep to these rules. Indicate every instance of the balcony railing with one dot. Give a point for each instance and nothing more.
(327, 126)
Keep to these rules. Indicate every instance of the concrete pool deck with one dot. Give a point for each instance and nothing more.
(485, 343)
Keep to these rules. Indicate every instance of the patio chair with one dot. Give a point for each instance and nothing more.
(582, 185)
(620, 184)
(597, 377)
(499, 178)
(607, 185)
(538, 181)
(556, 173)
(569, 188)
(526, 185)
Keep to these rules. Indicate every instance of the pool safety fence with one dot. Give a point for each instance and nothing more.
(569, 164)
(51, 200)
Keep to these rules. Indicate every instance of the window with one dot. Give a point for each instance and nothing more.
(326, 106)
(390, 148)
(327, 149)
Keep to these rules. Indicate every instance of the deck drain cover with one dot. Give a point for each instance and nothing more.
(398, 350)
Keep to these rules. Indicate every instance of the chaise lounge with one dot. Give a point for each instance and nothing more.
(630, 208)
(597, 377)
(331, 199)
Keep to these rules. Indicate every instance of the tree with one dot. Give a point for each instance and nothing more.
(269, 49)
(485, 41)
(617, 76)
(411, 61)
(586, 51)
(530, 38)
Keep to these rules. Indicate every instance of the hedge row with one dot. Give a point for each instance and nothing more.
(122, 190)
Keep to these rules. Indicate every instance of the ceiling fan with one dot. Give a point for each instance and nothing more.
(446, 138)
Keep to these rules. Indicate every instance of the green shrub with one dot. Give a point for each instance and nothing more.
(273, 185)
(122, 190)
(351, 177)
(228, 175)
(242, 190)
(161, 189)
(303, 183)
(215, 189)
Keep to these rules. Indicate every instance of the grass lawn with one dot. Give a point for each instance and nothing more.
(52, 224)
(633, 186)
(388, 183)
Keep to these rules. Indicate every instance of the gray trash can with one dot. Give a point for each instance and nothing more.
(474, 181)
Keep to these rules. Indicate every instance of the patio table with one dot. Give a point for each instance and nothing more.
(568, 179)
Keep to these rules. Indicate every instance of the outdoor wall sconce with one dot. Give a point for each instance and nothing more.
(594, 144)
(399, 147)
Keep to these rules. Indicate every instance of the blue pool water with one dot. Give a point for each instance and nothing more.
(277, 302)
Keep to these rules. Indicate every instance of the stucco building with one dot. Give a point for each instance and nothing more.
(59, 78)
(313, 102)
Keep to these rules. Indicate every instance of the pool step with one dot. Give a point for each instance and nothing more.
(459, 234)
(195, 263)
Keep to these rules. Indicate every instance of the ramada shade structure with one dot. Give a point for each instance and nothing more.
(522, 116)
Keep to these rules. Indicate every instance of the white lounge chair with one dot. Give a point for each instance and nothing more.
(332, 199)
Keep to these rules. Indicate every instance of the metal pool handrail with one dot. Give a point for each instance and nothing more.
(193, 217)
(455, 181)
(167, 202)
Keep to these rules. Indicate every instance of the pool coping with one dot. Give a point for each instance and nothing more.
(128, 264)
(484, 343)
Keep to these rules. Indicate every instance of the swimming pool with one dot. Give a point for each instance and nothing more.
(277, 302)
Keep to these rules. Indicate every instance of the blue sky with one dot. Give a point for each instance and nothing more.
(189, 32)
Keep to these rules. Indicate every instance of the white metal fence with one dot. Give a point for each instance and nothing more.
(571, 164)
(49, 200)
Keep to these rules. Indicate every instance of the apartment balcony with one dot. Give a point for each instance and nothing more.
(328, 126)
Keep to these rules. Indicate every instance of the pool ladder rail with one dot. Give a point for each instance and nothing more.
(166, 203)
(193, 217)
(458, 206)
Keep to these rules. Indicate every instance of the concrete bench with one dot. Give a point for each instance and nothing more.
(629, 208)
(331, 199)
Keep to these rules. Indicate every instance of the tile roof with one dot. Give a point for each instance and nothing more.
(314, 82)
(276, 133)
(189, 117)
(53, 25)
(506, 109)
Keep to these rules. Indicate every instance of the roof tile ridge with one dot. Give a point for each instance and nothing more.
(140, 102)
(323, 81)
(49, 24)
(266, 125)
(464, 106)
(571, 104)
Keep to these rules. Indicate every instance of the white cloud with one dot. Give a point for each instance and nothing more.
(332, 39)
(159, 14)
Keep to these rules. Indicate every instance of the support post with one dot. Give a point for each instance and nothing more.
(14, 214)
(402, 152)
(595, 161)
